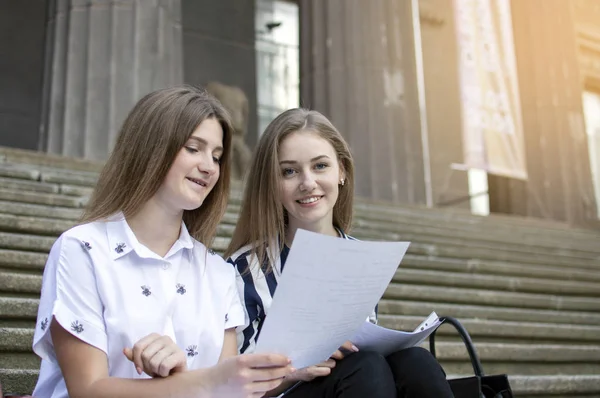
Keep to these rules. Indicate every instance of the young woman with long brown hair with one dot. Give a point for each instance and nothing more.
(133, 303)
(302, 176)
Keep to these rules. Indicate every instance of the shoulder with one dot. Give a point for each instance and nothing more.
(214, 263)
(240, 255)
(83, 236)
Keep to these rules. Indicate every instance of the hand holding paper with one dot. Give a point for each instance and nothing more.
(327, 290)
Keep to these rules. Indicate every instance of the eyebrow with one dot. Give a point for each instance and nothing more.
(312, 160)
(203, 142)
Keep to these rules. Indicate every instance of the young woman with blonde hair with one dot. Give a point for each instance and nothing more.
(302, 176)
(133, 302)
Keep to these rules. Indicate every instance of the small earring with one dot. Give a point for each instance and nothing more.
(342, 182)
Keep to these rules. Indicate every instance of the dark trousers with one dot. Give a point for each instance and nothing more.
(409, 373)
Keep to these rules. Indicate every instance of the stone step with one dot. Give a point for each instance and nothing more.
(490, 267)
(34, 210)
(28, 242)
(490, 297)
(42, 198)
(53, 227)
(35, 225)
(19, 340)
(26, 308)
(521, 359)
(30, 282)
(28, 185)
(48, 174)
(583, 238)
(54, 199)
(414, 229)
(19, 360)
(475, 249)
(464, 251)
(422, 308)
(460, 272)
(496, 282)
(32, 159)
(15, 339)
(23, 156)
(18, 381)
(512, 367)
(19, 282)
(482, 328)
(425, 253)
(18, 307)
(541, 386)
(383, 210)
(14, 307)
(388, 211)
(22, 260)
(19, 171)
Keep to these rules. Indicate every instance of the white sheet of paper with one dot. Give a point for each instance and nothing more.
(371, 337)
(328, 288)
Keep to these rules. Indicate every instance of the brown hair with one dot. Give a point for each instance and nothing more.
(262, 216)
(154, 132)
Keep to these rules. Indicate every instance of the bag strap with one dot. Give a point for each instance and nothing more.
(464, 335)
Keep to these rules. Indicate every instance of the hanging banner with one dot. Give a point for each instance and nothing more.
(491, 110)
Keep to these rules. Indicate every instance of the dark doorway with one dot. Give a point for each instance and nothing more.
(22, 46)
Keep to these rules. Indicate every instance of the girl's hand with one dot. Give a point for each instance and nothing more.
(346, 349)
(157, 356)
(312, 372)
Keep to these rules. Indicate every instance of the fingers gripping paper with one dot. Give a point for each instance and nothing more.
(326, 292)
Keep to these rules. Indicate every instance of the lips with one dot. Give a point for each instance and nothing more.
(198, 181)
(309, 200)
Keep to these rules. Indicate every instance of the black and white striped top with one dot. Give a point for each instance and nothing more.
(256, 288)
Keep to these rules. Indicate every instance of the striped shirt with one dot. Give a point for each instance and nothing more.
(256, 288)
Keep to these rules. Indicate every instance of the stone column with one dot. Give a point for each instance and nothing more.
(559, 186)
(357, 66)
(106, 55)
(450, 187)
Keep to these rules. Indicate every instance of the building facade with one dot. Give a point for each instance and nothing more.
(386, 72)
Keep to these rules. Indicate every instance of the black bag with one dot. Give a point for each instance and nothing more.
(480, 385)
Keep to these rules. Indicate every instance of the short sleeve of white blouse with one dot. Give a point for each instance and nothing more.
(107, 289)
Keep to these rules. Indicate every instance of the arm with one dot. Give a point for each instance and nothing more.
(229, 345)
(85, 369)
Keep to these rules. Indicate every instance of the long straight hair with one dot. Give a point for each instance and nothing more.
(152, 135)
(262, 219)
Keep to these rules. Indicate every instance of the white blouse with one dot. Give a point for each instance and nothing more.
(107, 289)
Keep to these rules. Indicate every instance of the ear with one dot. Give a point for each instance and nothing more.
(342, 175)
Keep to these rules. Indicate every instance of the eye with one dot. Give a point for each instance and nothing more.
(288, 172)
(321, 166)
(217, 160)
(191, 149)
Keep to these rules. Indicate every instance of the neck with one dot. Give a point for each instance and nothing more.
(155, 227)
(320, 228)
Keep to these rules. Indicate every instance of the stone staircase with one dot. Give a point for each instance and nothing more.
(527, 290)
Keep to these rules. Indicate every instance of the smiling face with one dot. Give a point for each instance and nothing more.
(196, 169)
(310, 174)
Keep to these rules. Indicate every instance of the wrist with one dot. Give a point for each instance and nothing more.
(200, 381)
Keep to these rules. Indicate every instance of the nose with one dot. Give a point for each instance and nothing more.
(207, 165)
(308, 182)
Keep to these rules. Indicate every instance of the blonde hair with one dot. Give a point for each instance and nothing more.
(262, 217)
(152, 135)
